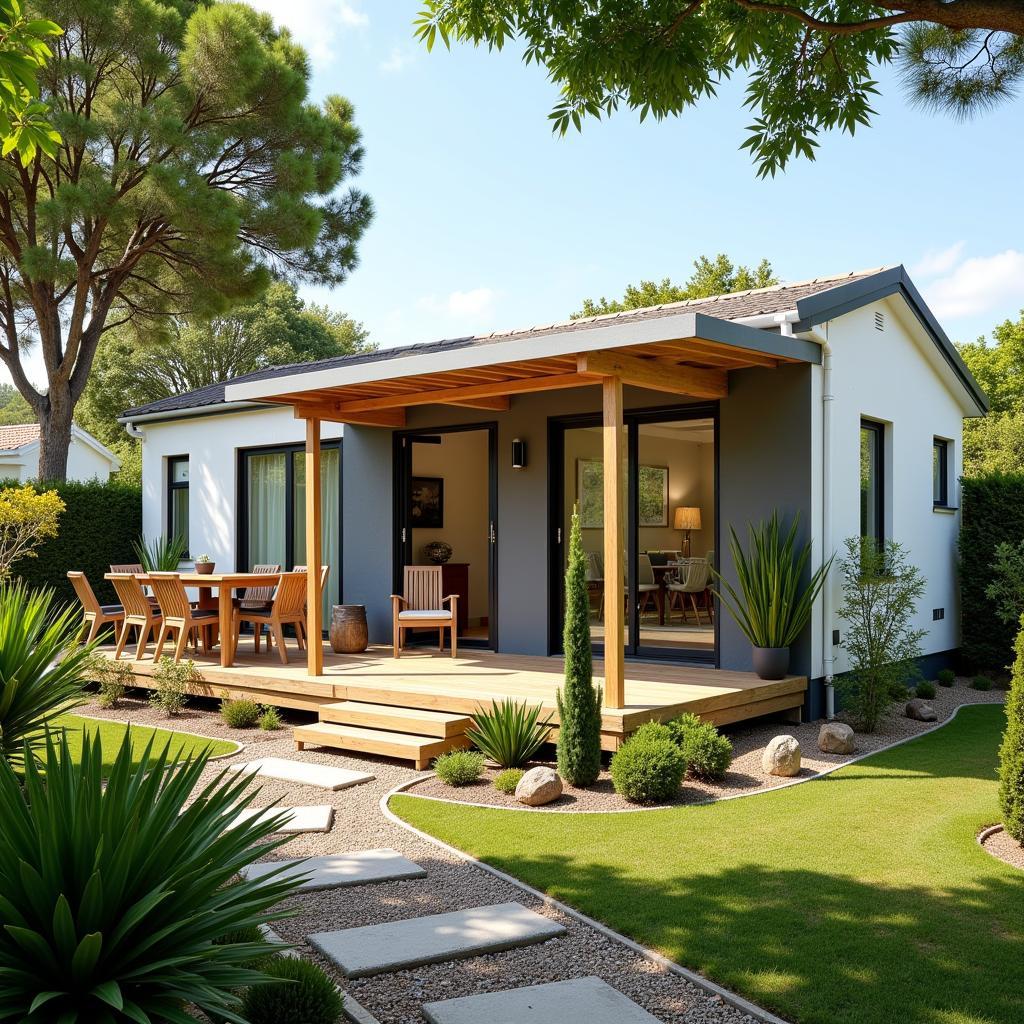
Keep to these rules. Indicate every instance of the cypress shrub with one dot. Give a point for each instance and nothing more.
(993, 513)
(1011, 753)
(579, 701)
(100, 524)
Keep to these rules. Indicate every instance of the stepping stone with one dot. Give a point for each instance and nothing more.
(582, 1001)
(343, 869)
(317, 818)
(378, 948)
(323, 776)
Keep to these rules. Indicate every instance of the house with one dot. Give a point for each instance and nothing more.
(839, 399)
(87, 458)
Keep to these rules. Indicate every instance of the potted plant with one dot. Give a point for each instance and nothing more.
(205, 564)
(772, 606)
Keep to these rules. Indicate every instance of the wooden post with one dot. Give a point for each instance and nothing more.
(314, 553)
(614, 539)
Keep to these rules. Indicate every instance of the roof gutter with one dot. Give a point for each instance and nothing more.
(129, 422)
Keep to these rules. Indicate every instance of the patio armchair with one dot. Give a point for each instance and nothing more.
(179, 615)
(139, 612)
(258, 598)
(422, 606)
(94, 614)
(288, 608)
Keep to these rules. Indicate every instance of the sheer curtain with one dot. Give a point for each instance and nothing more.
(330, 531)
(267, 501)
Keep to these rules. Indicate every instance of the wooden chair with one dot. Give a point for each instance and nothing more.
(287, 609)
(95, 615)
(139, 612)
(258, 598)
(693, 580)
(423, 606)
(178, 614)
(325, 571)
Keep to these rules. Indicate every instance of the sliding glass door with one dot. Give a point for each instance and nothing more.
(272, 516)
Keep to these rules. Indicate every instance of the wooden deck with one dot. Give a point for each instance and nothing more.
(433, 682)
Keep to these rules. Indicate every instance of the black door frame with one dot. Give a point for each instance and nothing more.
(557, 426)
(402, 442)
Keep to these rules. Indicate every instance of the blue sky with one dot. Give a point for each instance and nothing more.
(484, 220)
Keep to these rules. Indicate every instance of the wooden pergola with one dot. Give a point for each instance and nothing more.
(689, 355)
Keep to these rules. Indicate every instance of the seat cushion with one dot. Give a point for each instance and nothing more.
(425, 613)
(112, 609)
(204, 613)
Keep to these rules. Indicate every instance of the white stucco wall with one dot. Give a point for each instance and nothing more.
(212, 444)
(893, 376)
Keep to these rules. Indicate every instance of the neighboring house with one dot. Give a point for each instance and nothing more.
(840, 399)
(87, 458)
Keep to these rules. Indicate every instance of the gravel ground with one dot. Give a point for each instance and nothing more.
(451, 884)
(1003, 846)
(745, 775)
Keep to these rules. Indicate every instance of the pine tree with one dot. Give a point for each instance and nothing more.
(1011, 754)
(579, 704)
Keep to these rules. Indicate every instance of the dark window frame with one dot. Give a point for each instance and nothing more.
(940, 448)
(172, 486)
(878, 429)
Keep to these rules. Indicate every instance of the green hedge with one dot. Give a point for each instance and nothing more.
(98, 527)
(993, 512)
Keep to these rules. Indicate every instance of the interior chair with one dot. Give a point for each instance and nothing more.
(179, 615)
(325, 571)
(288, 608)
(139, 612)
(422, 606)
(693, 580)
(647, 586)
(595, 579)
(94, 614)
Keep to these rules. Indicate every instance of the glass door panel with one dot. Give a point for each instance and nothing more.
(266, 502)
(330, 533)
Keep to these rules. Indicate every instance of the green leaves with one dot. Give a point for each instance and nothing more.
(509, 733)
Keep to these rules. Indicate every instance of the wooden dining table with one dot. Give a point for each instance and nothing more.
(225, 583)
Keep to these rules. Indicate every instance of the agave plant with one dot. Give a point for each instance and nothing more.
(772, 607)
(509, 733)
(119, 900)
(162, 554)
(43, 668)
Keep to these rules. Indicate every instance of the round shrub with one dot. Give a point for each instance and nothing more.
(946, 677)
(981, 683)
(648, 768)
(1011, 752)
(303, 992)
(506, 781)
(240, 714)
(270, 718)
(925, 689)
(708, 754)
(459, 767)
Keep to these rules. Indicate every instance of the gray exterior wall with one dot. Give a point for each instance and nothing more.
(764, 462)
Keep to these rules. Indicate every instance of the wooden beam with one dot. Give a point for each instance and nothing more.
(329, 411)
(614, 436)
(314, 553)
(646, 373)
(499, 403)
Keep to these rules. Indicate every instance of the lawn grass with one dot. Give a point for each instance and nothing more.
(112, 734)
(859, 898)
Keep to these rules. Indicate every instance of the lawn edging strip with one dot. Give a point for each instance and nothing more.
(698, 980)
(129, 724)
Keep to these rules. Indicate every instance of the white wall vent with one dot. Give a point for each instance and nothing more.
(879, 321)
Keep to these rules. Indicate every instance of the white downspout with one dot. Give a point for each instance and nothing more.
(828, 658)
(133, 431)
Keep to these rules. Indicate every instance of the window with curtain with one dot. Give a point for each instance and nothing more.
(330, 523)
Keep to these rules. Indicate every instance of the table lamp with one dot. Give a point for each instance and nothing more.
(687, 519)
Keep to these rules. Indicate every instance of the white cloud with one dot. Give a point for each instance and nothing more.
(316, 24)
(398, 60)
(938, 261)
(978, 285)
(459, 305)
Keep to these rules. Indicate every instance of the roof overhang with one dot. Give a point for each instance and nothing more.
(684, 353)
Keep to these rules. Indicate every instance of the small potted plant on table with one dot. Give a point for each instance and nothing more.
(205, 564)
(772, 607)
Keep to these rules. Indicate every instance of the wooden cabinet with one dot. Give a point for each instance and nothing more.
(455, 580)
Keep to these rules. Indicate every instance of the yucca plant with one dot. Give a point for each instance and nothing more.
(772, 607)
(509, 733)
(43, 668)
(162, 554)
(120, 899)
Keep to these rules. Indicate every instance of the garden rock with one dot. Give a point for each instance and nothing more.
(836, 738)
(781, 757)
(539, 786)
(921, 711)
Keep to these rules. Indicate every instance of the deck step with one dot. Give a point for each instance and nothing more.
(421, 749)
(418, 721)
(438, 938)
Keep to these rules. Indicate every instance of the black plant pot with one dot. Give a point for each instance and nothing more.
(771, 662)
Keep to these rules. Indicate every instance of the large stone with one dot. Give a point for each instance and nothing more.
(580, 1001)
(921, 711)
(836, 738)
(539, 786)
(380, 948)
(781, 757)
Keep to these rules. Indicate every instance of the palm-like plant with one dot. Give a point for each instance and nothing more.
(772, 607)
(509, 733)
(43, 666)
(162, 554)
(120, 901)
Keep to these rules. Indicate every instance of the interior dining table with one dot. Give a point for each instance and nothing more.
(225, 583)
